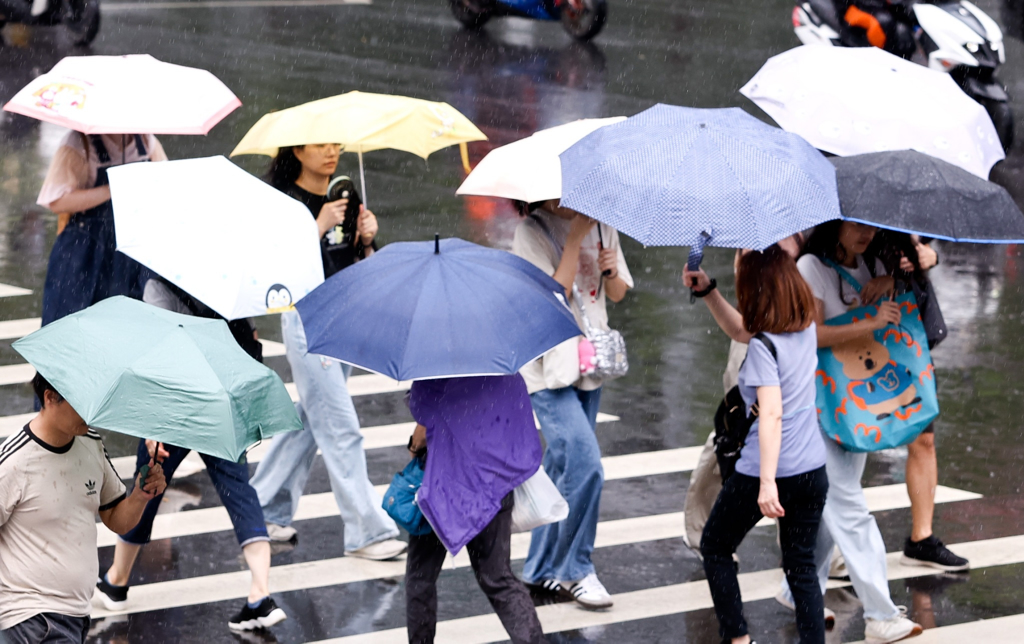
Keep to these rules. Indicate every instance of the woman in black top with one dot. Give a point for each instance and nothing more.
(325, 406)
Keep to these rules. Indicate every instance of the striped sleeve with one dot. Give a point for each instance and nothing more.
(113, 490)
(12, 481)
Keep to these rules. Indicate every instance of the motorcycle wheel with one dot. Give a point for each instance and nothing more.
(584, 19)
(1002, 118)
(473, 14)
(82, 20)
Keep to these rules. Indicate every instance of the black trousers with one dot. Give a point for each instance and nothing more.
(734, 514)
(490, 553)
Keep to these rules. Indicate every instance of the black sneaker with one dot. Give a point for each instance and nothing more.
(932, 553)
(263, 616)
(112, 597)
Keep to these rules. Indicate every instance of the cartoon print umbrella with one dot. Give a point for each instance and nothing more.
(363, 122)
(229, 240)
(136, 369)
(126, 95)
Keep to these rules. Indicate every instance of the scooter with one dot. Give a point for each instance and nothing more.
(582, 19)
(80, 17)
(955, 37)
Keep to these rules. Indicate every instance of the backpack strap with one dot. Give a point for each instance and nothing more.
(767, 342)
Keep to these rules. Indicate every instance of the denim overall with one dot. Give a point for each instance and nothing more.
(84, 265)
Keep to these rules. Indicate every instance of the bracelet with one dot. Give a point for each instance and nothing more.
(694, 295)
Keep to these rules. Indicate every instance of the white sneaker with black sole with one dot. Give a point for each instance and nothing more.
(265, 615)
(830, 615)
(281, 533)
(589, 592)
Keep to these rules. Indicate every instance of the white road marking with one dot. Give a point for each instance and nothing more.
(117, 7)
(12, 329)
(397, 435)
(6, 290)
(681, 598)
(481, 629)
(998, 630)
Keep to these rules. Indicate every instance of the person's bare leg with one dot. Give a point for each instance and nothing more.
(257, 556)
(922, 479)
(124, 560)
(741, 640)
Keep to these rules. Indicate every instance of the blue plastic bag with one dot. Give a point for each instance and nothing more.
(400, 499)
(877, 391)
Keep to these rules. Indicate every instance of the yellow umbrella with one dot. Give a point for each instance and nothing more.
(362, 122)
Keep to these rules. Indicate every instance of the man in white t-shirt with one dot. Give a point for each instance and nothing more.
(55, 477)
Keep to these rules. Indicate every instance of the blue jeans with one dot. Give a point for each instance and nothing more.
(330, 423)
(231, 481)
(568, 418)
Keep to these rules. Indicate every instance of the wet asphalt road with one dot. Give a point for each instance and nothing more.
(512, 79)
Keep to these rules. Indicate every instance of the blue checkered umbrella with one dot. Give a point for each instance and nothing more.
(679, 176)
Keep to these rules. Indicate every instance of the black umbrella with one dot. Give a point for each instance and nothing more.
(916, 193)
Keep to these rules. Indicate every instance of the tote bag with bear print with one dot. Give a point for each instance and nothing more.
(877, 391)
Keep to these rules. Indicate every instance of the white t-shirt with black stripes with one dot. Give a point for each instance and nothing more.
(49, 498)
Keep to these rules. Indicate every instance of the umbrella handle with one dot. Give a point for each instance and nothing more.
(600, 244)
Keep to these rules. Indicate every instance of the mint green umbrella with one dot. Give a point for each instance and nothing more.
(135, 369)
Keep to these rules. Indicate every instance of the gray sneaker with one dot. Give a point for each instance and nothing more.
(830, 615)
(281, 533)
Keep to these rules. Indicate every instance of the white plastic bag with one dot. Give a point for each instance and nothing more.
(537, 503)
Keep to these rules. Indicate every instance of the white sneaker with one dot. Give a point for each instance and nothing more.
(380, 551)
(590, 593)
(830, 615)
(894, 629)
(281, 532)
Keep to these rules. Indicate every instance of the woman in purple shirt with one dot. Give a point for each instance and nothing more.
(781, 470)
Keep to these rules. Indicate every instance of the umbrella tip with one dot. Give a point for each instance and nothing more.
(437, 244)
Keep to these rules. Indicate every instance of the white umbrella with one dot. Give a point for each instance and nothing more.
(529, 169)
(859, 100)
(126, 95)
(220, 234)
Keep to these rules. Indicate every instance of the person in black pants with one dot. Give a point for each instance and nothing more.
(781, 470)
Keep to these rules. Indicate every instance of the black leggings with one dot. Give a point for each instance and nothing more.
(734, 514)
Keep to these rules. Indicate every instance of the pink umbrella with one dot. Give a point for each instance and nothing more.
(126, 95)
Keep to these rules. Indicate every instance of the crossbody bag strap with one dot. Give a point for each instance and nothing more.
(843, 274)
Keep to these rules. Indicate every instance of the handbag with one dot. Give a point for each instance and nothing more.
(400, 499)
(609, 358)
(537, 503)
(931, 315)
(877, 391)
(732, 423)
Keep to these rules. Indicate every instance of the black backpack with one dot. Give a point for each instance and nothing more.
(732, 423)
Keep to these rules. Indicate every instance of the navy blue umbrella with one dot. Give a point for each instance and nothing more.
(419, 310)
(679, 176)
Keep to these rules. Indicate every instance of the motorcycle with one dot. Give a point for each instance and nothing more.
(582, 19)
(80, 17)
(954, 37)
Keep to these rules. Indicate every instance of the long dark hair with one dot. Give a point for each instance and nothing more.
(284, 170)
(824, 244)
(891, 246)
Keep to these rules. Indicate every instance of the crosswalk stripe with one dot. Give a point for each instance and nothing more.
(652, 602)
(994, 630)
(186, 523)
(19, 374)
(394, 435)
(672, 600)
(12, 329)
(6, 290)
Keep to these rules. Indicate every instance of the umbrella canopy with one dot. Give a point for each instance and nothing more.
(917, 193)
(135, 369)
(678, 176)
(421, 310)
(529, 169)
(220, 234)
(126, 95)
(362, 122)
(855, 100)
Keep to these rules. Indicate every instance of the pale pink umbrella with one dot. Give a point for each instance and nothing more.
(126, 95)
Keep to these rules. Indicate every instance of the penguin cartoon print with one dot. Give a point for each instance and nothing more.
(279, 299)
